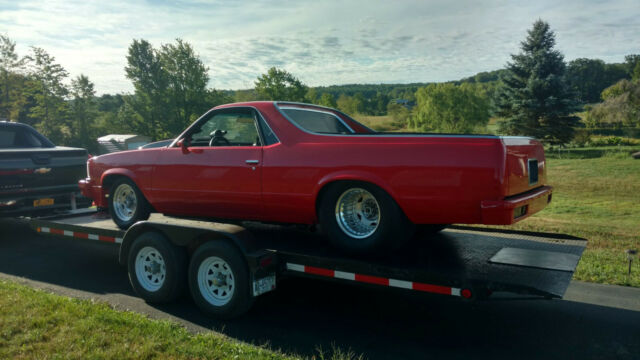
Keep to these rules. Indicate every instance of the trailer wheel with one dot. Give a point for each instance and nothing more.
(156, 268)
(127, 205)
(219, 280)
(360, 217)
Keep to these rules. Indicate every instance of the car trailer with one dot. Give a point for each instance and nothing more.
(227, 266)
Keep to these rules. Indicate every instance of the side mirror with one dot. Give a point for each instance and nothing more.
(184, 145)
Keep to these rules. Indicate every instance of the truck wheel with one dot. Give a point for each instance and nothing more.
(127, 205)
(156, 268)
(219, 280)
(360, 217)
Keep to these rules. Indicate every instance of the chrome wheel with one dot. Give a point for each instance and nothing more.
(216, 281)
(150, 268)
(125, 202)
(357, 213)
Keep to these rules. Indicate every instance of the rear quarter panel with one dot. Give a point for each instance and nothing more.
(433, 179)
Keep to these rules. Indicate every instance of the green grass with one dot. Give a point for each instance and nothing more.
(38, 325)
(597, 198)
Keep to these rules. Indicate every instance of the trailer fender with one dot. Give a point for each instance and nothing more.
(190, 236)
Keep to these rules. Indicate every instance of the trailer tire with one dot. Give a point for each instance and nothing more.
(123, 195)
(219, 280)
(389, 228)
(157, 268)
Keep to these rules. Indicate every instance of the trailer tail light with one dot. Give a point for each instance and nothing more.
(466, 293)
(266, 261)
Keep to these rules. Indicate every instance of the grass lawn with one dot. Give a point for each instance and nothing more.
(597, 197)
(38, 325)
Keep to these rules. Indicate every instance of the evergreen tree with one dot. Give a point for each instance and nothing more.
(535, 99)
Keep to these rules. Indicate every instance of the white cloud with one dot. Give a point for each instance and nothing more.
(323, 43)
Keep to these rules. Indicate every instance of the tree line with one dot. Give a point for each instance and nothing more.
(537, 94)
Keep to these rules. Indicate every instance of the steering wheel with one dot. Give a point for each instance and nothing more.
(218, 139)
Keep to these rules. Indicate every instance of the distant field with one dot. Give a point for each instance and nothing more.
(379, 123)
(597, 197)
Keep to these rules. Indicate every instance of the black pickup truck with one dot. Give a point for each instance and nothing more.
(37, 177)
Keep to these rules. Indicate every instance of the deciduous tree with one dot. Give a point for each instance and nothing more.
(10, 68)
(187, 78)
(50, 114)
(280, 85)
(450, 108)
(84, 113)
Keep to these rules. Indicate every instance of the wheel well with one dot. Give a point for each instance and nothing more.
(109, 180)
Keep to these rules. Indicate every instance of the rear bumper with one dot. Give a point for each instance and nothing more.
(503, 212)
(24, 204)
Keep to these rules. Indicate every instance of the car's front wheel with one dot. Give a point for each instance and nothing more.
(127, 205)
(360, 217)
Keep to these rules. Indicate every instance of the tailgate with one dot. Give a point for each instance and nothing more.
(31, 170)
(525, 167)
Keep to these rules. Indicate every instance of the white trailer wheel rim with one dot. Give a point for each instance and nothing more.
(125, 202)
(216, 281)
(357, 213)
(151, 270)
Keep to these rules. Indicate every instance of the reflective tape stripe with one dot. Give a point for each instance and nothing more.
(79, 235)
(377, 280)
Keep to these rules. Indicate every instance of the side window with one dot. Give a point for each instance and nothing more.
(317, 121)
(235, 127)
(18, 139)
(7, 138)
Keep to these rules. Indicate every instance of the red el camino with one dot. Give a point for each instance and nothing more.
(295, 163)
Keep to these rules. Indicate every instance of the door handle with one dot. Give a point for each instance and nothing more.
(252, 162)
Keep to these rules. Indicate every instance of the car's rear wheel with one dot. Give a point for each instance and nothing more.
(360, 217)
(127, 205)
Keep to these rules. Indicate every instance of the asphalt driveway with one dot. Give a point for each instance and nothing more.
(593, 321)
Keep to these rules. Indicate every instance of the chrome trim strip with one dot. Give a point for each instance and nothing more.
(251, 161)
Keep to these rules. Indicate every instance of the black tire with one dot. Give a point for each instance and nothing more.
(239, 300)
(175, 268)
(142, 209)
(393, 230)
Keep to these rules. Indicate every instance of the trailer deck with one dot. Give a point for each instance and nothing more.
(459, 261)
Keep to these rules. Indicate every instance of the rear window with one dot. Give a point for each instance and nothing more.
(317, 121)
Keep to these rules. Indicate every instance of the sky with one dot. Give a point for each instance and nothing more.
(321, 42)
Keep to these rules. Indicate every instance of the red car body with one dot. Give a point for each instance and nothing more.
(434, 178)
